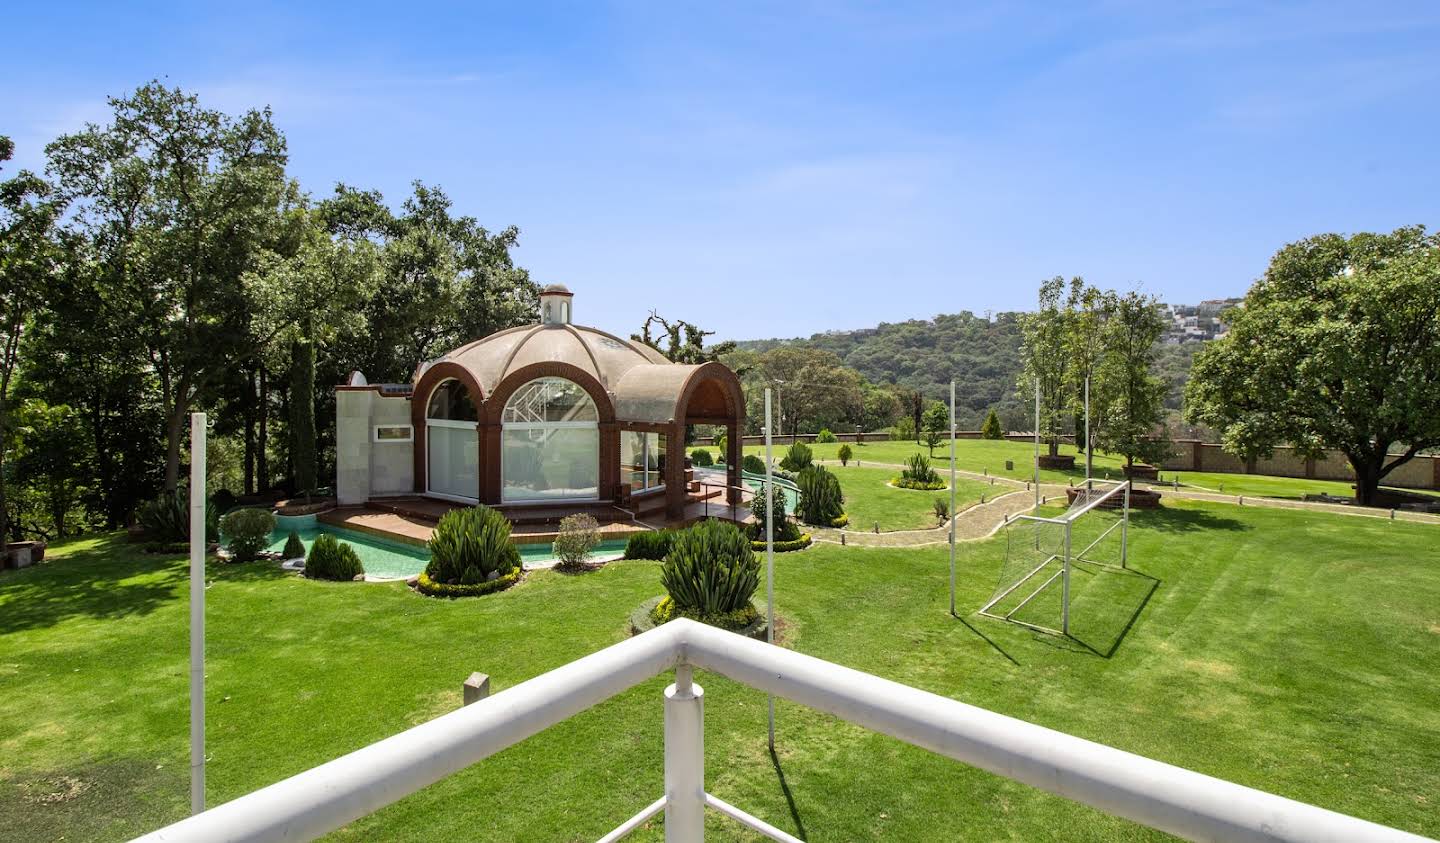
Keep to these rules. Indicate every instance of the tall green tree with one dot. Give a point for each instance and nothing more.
(1128, 389)
(1337, 348)
(680, 341)
(1090, 312)
(1047, 360)
(178, 202)
(29, 257)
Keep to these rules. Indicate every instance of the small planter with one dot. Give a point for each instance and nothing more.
(22, 554)
(1141, 471)
(640, 620)
(1060, 462)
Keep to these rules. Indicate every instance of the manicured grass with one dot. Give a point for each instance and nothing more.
(1290, 651)
(869, 500)
(1261, 485)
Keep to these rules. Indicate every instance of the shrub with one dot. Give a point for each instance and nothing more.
(821, 500)
(800, 542)
(478, 536)
(903, 430)
(429, 587)
(798, 457)
(701, 457)
(331, 559)
(652, 544)
(223, 501)
(845, 454)
(942, 509)
(167, 518)
(711, 570)
(666, 610)
(919, 475)
(784, 529)
(991, 428)
(824, 437)
(932, 440)
(294, 548)
(579, 533)
(752, 464)
(249, 532)
(722, 444)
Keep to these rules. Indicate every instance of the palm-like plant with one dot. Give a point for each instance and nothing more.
(821, 500)
(478, 536)
(711, 569)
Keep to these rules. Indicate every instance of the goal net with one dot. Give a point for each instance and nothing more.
(1034, 588)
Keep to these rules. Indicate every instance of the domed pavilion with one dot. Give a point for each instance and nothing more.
(553, 415)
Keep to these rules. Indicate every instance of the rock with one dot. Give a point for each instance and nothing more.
(358, 578)
(493, 575)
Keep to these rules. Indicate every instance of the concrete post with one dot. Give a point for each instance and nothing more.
(476, 688)
(684, 759)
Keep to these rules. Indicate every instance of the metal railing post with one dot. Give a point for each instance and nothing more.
(1065, 585)
(684, 759)
(1125, 527)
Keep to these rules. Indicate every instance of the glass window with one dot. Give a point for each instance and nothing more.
(550, 443)
(451, 401)
(394, 433)
(454, 461)
(550, 400)
(641, 455)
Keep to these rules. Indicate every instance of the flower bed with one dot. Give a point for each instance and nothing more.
(749, 622)
(430, 588)
(784, 546)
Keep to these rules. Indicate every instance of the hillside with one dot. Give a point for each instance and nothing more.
(983, 354)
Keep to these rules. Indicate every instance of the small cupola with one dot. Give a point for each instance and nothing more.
(555, 302)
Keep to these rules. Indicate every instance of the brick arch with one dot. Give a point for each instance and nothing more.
(435, 375)
(712, 391)
(491, 423)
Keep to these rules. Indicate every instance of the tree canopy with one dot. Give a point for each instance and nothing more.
(1337, 347)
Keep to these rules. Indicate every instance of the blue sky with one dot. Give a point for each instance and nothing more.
(780, 169)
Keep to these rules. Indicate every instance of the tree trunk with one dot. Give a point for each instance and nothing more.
(1367, 478)
(174, 428)
(302, 415)
(262, 446)
(1055, 447)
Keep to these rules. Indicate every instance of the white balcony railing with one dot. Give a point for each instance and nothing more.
(1159, 795)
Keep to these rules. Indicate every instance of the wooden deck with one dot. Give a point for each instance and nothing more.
(411, 520)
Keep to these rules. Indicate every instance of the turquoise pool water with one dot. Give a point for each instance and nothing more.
(383, 558)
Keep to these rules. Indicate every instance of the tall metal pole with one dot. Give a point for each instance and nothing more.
(197, 613)
(1089, 449)
(952, 497)
(770, 554)
(1037, 443)
(1065, 585)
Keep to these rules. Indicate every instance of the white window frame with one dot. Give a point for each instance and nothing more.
(375, 434)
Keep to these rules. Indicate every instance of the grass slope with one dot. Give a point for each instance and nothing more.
(1289, 651)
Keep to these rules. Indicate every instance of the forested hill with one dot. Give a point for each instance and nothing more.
(983, 355)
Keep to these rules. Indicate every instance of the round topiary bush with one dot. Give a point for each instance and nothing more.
(824, 437)
(821, 501)
(752, 464)
(248, 531)
(711, 571)
(331, 559)
(470, 554)
(652, 544)
(845, 454)
(294, 548)
(701, 457)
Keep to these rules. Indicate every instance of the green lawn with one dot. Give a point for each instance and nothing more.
(1261, 485)
(1290, 651)
(870, 500)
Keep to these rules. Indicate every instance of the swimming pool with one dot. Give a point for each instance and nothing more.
(385, 559)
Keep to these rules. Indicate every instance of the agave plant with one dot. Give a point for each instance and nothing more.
(821, 500)
(477, 536)
(167, 517)
(711, 569)
(798, 457)
(918, 469)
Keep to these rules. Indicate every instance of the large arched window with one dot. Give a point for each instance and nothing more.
(452, 443)
(550, 443)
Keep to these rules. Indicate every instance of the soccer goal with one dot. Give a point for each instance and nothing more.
(1042, 553)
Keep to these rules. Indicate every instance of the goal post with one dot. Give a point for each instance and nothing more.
(1041, 553)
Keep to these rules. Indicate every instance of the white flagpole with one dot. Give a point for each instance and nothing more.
(197, 612)
(1089, 450)
(952, 497)
(1037, 443)
(769, 553)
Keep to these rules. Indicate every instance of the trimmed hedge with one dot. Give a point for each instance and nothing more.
(916, 485)
(666, 610)
(783, 547)
(430, 588)
(294, 548)
(752, 464)
(653, 544)
(841, 521)
(701, 457)
(824, 437)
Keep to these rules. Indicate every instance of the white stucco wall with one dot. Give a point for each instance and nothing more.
(392, 464)
(352, 445)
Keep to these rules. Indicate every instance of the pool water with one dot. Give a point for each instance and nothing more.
(397, 560)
